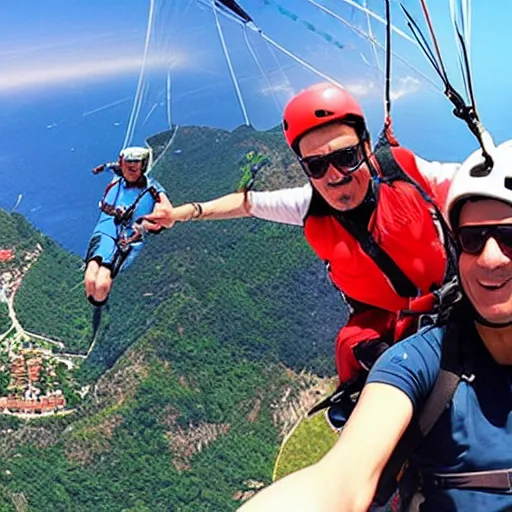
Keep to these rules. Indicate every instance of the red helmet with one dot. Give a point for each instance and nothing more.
(318, 105)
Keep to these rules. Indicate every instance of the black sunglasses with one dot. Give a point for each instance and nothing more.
(473, 238)
(345, 160)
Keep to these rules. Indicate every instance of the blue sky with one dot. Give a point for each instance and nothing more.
(57, 42)
(70, 73)
(52, 38)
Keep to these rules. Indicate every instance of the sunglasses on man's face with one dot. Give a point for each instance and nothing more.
(345, 160)
(473, 238)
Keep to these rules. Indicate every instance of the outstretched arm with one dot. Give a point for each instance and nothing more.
(288, 206)
(231, 206)
(346, 478)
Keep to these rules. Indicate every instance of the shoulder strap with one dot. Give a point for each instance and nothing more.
(389, 168)
(105, 207)
(391, 171)
(453, 366)
(400, 282)
(110, 186)
(318, 206)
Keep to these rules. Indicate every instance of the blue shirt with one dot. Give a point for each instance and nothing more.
(473, 434)
(121, 195)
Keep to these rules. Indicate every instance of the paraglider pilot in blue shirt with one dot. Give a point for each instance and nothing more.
(120, 231)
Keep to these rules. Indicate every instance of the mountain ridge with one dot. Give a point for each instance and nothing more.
(209, 340)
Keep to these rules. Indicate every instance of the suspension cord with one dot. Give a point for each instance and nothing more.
(388, 64)
(463, 111)
(388, 130)
(434, 38)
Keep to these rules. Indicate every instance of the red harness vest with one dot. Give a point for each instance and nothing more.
(402, 225)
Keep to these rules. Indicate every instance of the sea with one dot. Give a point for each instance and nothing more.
(50, 141)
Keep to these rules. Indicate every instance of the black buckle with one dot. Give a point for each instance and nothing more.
(341, 403)
(447, 296)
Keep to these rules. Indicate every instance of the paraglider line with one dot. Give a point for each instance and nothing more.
(433, 36)
(167, 146)
(373, 41)
(461, 64)
(300, 61)
(278, 64)
(230, 65)
(151, 110)
(467, 113)
(463, 46)
(282, 49)
(260, 67)
(423, 44)
(388, 64)
(378, 18)
(169, 100)
(467, 74)
(137, 103)
(339, 18)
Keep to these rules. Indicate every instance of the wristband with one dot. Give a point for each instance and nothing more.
(198, 211)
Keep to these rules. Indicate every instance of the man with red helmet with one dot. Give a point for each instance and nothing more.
(367, 215)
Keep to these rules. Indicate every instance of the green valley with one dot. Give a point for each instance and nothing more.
(209, 350)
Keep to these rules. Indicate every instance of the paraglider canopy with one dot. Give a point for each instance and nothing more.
(83, 89)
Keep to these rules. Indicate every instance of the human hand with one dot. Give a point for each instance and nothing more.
(99, 168)
(161, 217)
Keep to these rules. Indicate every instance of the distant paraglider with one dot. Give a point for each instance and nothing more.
(119, 234)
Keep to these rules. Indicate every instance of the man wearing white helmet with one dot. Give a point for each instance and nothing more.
(443, 397)
(118, 236)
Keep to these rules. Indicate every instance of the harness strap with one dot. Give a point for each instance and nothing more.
(391, 171)
(400, 282)
(344, 396)
(112, 184)
(444, 388)
(435, 304)
(439, 398)
(124, 215)
(111, 210)
(454, 364)
(495, 480)
(119, 259)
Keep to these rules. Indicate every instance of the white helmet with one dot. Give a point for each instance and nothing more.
(472, 180)
(137, 154)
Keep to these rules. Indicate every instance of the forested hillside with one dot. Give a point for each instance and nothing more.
(203, 359)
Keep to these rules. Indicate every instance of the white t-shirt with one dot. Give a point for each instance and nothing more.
(290, 205)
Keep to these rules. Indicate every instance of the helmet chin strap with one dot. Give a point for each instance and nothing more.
(479, 319)
(495, 325)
